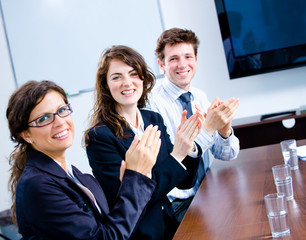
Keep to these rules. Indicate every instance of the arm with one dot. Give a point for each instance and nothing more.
(217, 134)
(219, 116)
(53, 209)
(189, 163)
(105, 153)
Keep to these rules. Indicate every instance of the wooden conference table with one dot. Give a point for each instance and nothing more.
(229, 203)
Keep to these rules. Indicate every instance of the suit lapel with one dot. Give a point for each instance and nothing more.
(127, 141)
(94, 188)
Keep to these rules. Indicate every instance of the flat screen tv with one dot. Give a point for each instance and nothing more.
(261, 36)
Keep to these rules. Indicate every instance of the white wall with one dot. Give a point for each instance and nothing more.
(259, 94)
(265, 93)
(7, 86)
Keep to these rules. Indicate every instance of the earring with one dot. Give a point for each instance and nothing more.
(30, 142)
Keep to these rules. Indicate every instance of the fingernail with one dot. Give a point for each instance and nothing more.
(155, 127)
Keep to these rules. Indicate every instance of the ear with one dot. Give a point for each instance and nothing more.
(160, 64)
(26, 136)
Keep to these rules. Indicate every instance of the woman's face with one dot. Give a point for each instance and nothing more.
(124, 84)
(55, 138)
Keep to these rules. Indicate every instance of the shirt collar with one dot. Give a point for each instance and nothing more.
(173, 90)
(138, 131)
(68, 167)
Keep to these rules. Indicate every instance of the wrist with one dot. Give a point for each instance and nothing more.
(226, 134)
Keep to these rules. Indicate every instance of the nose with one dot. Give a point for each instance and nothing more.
(58, 121)
(181, 63)
(127, 81)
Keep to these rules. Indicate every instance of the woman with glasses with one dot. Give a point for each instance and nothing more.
(51, 198)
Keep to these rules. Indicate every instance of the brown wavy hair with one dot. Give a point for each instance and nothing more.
(20, 106)
(104, 109)
(175, 36)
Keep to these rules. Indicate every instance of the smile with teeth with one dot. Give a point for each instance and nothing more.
(127, 92)
(183, 73)
(61, 134)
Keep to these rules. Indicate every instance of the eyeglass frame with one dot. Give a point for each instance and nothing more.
(36, 124)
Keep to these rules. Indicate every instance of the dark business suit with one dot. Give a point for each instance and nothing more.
(105, 152)
(50, 204)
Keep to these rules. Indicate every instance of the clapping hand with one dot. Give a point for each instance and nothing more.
(141, 155)
(219, 116)
(185, 135)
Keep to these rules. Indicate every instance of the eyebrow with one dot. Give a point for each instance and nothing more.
(45, 113)
(121, 73)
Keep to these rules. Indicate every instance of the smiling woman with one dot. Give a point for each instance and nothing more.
(123, 84)
(50, 137)
(51, 198)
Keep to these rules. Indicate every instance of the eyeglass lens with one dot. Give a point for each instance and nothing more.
(49, 117)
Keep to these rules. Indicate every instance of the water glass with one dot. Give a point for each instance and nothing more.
(289, 151)
(277, 212)
(283, 180)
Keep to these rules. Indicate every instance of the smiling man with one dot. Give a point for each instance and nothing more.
(177, 56)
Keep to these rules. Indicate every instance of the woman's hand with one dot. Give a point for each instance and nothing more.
(141, 155)
(185, 135)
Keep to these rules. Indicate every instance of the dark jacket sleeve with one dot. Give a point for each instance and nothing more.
(105, 153)
(52, 208)
(190, 163)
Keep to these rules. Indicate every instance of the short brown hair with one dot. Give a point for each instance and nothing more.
(174, 36)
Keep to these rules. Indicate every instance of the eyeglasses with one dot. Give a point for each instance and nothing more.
(49, 117)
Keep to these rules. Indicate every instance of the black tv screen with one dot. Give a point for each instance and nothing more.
(261, 36)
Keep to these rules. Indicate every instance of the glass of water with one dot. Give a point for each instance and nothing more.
(289, 151)
(277, 212)
(283, 180)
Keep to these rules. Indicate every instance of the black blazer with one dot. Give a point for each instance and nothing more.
(105, 152)
(50, 205)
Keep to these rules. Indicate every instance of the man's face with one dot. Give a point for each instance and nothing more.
(179, 64)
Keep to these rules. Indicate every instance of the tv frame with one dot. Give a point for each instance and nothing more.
(273, 60)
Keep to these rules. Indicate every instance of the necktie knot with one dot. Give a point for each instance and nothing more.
(186, 103)
(185, 97)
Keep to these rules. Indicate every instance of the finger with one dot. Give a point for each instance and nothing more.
(122, 169)
(143, 141)
(184, 117)
(190, 127)
(156, 149)
(198, 107)
(199, 112)
(156, 144)
(214, 104)
(134, 144)
(193, 131)
(151, 137)
(194, 134)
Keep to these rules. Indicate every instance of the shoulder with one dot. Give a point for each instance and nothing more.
(198, 92)
(99, 130)
(151, 115)
(159, 87)
(34, 180)
(158, 93)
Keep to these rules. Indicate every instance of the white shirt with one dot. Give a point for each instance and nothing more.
(165, 100)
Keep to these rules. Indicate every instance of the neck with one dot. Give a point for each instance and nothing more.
(59, 157)
(130, 114)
